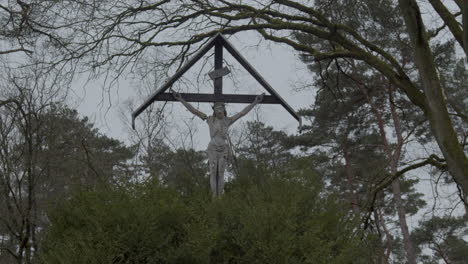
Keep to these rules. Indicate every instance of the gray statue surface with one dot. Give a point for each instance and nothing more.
(218, 148)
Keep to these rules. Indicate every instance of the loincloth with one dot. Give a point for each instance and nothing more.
(218, 151)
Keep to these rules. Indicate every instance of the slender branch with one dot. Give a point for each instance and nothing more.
(465, 26)
(449, 20)
(388, 179)
(2, 52)
(88, 158)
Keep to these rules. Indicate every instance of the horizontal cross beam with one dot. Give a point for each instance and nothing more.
(226, 98)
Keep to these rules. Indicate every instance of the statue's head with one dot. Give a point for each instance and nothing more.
(219, 110)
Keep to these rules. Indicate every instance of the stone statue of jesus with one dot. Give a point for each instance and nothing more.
(218, 148)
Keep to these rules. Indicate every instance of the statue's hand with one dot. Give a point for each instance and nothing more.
(176, 95)
(259, 98)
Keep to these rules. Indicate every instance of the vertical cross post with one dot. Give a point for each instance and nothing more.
(218, 82)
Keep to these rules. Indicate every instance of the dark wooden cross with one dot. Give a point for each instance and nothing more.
(219, 42)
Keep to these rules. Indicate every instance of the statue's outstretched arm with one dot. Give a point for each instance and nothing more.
(189, 107)
(247, 109)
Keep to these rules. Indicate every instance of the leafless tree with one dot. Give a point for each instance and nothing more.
(25, 96)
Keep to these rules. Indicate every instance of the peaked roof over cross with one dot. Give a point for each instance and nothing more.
(219, 42)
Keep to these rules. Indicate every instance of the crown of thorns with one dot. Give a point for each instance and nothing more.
(218, 105)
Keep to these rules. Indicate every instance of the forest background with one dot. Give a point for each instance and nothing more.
(378, 174)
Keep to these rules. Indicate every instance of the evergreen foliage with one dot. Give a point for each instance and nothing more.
(444, 236)
(284, 220)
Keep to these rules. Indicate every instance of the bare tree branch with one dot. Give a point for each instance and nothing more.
(450, 21)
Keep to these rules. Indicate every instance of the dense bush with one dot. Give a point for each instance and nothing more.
(281, 221)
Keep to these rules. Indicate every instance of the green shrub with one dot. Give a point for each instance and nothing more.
(281, 221)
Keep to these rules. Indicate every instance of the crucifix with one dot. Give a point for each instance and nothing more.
(219, 122)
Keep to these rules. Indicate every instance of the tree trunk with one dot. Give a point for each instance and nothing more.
(349, 172)
(393, 158)
(409, 248)
(464, 9)
(436, 112)
(388, 236)
(349, 176)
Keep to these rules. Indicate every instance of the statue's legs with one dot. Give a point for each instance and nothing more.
(213, 158)
(221, 168)
(217, 163)
(217, 177)
(213, 177)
